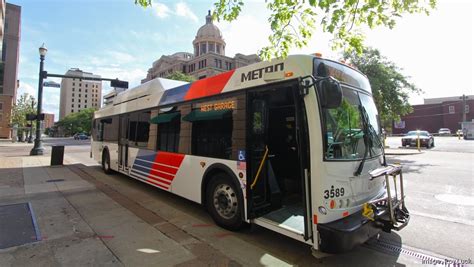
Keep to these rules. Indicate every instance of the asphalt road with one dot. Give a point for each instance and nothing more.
(440, 198)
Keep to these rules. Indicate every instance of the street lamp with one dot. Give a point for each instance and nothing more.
(38, 147)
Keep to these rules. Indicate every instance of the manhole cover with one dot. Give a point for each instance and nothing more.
(456, 199)
(17, 225)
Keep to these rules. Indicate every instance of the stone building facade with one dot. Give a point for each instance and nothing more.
(208, 59)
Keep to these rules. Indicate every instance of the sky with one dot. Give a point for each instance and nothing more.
(118, 39)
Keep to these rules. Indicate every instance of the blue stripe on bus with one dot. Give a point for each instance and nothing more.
(175, 95)
(145, 154)
(143, 163)
(140, 168)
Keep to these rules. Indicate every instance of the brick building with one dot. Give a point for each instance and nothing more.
(436, 113)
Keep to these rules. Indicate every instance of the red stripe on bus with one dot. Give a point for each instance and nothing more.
(165, 169)
(209, 86)
(159, 185)
(162, 175)
(167, 158)
(159, 179)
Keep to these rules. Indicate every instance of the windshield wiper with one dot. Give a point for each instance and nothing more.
(369, 135)
(365, 125)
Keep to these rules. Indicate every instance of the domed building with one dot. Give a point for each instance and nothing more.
(208, 59)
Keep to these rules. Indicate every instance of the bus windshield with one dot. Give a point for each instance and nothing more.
(347, 136)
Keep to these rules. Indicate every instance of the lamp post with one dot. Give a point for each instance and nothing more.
(30, 139)
(38, 147)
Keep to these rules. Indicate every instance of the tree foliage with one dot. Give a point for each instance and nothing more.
(26, 104)
(390, 87)
(179, 76)
(293, 22)
(79, 122)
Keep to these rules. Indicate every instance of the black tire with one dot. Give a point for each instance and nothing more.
(106, 162)
(224, 202)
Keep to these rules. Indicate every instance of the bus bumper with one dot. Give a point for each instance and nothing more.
(344, 234)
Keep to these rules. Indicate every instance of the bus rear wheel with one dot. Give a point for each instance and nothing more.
(106, 162)
(224, 203)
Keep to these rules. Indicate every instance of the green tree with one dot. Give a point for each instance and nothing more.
(293, 21)
(179, 76)
(80, 122)
(390, 87)
(26, 104)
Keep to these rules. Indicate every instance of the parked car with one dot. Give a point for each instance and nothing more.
(81, 136)
(410, 139)
(444, 131)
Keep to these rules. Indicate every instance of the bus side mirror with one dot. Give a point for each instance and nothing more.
(330, 93)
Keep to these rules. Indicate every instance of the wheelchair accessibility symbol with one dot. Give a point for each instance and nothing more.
(241, 155)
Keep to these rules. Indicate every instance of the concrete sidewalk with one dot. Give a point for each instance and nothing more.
(79, 224)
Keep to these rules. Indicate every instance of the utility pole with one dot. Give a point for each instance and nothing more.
(463, 108)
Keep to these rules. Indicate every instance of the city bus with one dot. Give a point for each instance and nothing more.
(292, 145)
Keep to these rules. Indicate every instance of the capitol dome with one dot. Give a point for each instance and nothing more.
(209, 39)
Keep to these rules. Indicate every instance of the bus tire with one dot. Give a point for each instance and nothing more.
(224, 202)
(106, 161)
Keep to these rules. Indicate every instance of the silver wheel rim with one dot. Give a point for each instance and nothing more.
(106, 163)
(225, 201)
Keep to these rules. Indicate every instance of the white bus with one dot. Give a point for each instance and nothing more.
(291, 145)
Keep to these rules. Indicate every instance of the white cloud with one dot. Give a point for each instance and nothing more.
(160, 10)
(240, 39)
(120, 57)
(26, 88)
(183, 10)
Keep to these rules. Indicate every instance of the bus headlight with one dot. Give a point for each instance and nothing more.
(322, 210)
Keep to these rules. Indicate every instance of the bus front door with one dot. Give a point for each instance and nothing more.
(277, 180)
(123, 143)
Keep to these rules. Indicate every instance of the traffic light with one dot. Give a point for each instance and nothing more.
(119, 84)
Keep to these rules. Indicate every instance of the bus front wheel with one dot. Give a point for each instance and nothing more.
(106, 162)
(224, 203)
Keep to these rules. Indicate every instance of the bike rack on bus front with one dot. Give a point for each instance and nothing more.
(388, 212)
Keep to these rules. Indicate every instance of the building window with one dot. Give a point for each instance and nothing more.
(212, 47)
(72, 94)
(203, 49)
(73, 89)
(79, 106)
(1, 117)
(85, 106)
(86, 85)
(466, 109)
(85, 101)
(86, 95)
(73, 84)
(79, 95)
(451, 109)
(72, 110)
(72, 99)
(86, 89)
(72, 105)
(1, 106)
(79, 100)
(79, 89)
(218, 49)
(80, 84)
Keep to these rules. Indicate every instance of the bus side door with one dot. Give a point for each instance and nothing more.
(123, 143)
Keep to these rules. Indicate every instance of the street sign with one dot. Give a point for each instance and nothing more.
(51, 84)
(119, 84)
(30, 117)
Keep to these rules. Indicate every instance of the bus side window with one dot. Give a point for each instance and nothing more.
(169, 126)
